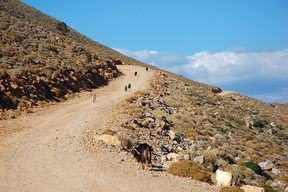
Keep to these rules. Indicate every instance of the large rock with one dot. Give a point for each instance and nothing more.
(110, 139)
(199, 159)
(223, 178)
(250, 188)
(266, 165)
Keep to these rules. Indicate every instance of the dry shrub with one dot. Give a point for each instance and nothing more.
(133, 110)
(131, 99)
(188, 168)
(139, 93)
(108, 132)
(231, 189)
(57, 91)
(129, 127)
(283, 178)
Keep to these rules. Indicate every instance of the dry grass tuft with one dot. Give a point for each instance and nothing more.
(188, 168)
(108, 132)
(231, 189)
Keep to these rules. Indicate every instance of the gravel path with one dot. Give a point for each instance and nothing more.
(48, 152)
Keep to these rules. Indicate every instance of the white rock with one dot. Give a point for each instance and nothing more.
(223, 178)
(186, 157)
(110, 139)
(250, 188)
(171, 134)
(276, 172)
(199, 159)
(266, 165)
(172, 156)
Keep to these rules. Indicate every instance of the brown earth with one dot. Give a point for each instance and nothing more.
(48, 150)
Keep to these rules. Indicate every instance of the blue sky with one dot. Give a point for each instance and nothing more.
(238, 45)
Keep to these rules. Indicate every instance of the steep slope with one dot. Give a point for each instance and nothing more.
(226, 130)
(43, 60)
(26, 13)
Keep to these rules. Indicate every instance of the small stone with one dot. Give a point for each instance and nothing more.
(172, 156)
(199, 159)
(163, 159)
(179, 148)
(186, 157)
(266, 165)
(171, 134)
(276, 172)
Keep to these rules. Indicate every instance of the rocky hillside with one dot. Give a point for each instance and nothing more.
(44, 60)
(28, 14)
(228, 131)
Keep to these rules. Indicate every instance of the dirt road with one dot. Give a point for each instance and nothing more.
(47, 151)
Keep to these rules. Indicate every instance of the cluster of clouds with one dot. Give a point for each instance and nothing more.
(263, 75)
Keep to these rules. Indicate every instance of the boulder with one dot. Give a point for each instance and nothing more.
(266, 165)
(110, 140)
(223, 178)
(250, 188)
(199, 159)
(279, 184)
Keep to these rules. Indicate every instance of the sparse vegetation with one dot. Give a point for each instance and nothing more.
(253, 166)
(188, 168)
(268, 188)
(231, 189)
(53, 49)
(109, 132)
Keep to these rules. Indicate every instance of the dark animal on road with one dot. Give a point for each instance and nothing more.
(125, 89)
(94, 98)
(146, 68)
(143, 154)
(129, 86)
(135, 73)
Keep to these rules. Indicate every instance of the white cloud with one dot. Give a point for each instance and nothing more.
(230, 66)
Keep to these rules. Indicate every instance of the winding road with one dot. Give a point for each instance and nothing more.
(46, 150)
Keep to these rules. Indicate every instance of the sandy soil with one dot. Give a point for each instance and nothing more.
(48, 149)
